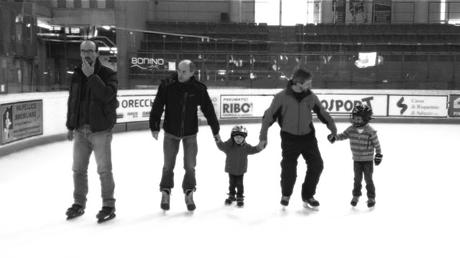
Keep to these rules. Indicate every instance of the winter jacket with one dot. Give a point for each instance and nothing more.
(101, 92)
(236, 162)
(362, 144)
(180, 103)
(295, 116)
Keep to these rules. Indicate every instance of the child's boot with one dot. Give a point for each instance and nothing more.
(371, 202)
(240, 201)
(231, 198)
(354, 201)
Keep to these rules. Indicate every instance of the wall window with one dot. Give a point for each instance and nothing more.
(61, 4)
(77, 4)
(92, 3)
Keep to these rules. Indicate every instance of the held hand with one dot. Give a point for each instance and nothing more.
(217, 138)
(155, 134)
(331, 138)
(87, 69)
(262, 145)
(70, 135)
(378, 159)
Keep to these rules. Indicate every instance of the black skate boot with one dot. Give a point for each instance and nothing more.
(107, 213)
(312, 202)
(371, 202)
(240, 202)
(189, 200)
(285, 200)
(75, 211)
(165, 198)
(231, 198)
(354, 201)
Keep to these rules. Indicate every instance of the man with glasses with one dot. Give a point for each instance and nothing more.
(179, 98)
(91, 115)
(293, 107)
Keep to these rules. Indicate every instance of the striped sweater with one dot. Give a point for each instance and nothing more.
(362, 144)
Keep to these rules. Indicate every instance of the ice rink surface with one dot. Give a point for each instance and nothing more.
(417, 212)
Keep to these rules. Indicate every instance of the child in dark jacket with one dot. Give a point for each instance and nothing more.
(363, 141)
(236, 162)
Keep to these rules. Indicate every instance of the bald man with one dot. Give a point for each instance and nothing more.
(91, 115)
(179, 97)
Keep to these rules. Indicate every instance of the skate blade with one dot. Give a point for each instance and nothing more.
(308, 206)
(74, 216)
(110, 217)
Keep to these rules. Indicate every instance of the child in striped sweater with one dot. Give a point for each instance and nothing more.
(363, 141)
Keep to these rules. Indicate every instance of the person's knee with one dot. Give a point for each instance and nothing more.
(316, 166)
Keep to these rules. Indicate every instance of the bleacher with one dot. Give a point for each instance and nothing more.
(258, 55)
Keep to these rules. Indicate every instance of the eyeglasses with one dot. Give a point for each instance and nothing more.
(87, 51)
(294, 82)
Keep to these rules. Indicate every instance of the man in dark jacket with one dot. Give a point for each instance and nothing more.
(293, 108)
(91, 115)
(179, 97)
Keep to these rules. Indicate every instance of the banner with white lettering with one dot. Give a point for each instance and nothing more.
(134, 108)
(418, 106)
(20, 120)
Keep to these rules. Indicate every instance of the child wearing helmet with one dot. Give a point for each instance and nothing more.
(236, 162)
(363, 142)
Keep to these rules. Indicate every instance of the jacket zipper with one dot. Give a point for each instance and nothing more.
(298, 116)
(183, 114)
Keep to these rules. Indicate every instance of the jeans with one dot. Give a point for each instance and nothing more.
(170, 149)
(236, 186)
(292, 147)
(366, 168)
(85, 142)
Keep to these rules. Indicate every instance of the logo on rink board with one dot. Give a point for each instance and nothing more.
(454, 109)
(339, 104)
(418, 106)
(236, 106)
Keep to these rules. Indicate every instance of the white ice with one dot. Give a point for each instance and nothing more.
(417, 212)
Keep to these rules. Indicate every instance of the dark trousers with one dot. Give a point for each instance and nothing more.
(236, 186)
(170, 150)
(292, 147)
(365, 168)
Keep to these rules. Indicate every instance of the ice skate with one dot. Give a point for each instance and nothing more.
(189, 200)
(354, 201)
(285, 200)
(75, 211)
(230, 199)
(107, 213)
(312, 202)
(371, 202)
(165, 199)
(240, 202)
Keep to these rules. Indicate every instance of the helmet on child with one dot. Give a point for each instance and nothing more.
(364, 112)
(239, 130)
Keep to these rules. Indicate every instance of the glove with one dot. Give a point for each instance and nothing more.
(331, 138)
(378, 159)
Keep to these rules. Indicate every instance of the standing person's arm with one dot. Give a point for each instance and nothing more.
(252, 149)
(343, 136)
(378, 151)
(208, 110)
(324, 116)
(104, 91)
(157, 110)
(270, 116)
(71, 103)
(223, 146)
